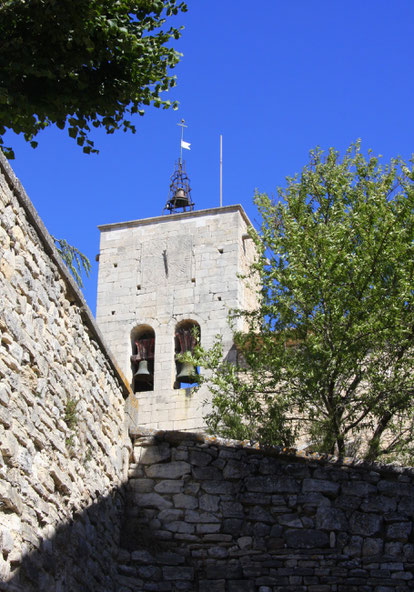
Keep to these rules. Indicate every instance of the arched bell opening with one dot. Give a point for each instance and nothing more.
(142, 358)
(187, 335)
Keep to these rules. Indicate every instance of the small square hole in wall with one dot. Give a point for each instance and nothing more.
(139, 287)
(113, 312)
(221, 251)
(115, 264)
(219, 298)
(193, 280)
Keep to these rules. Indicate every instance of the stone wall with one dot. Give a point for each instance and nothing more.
(64, 452)
(223, 516)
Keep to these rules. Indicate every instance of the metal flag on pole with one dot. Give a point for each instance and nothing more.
(183, 144)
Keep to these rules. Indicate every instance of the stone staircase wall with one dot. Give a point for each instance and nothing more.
(64, 448)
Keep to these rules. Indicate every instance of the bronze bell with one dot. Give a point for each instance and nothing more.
(180, 198)
(187, 373)
(142, 374)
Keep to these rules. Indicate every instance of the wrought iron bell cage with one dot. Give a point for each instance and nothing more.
(179, 197)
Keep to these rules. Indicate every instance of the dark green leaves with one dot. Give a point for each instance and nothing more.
(78, 63)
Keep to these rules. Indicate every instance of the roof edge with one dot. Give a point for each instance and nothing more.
(180, 216)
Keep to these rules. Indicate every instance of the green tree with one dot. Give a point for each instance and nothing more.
(83, 63)
(329, 352)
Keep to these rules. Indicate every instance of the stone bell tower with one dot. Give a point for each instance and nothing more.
(163, 283)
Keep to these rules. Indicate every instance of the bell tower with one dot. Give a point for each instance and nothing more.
(163, 284)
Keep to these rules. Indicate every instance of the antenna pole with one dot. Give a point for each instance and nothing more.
(221, 170)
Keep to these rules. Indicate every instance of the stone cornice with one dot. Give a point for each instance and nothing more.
(174, 217)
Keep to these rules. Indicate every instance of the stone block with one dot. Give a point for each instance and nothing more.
(6, 542)
(372, 547)
(155, 454)
(180, 527)
(233, 526)
(200, 459)
(178, 573)
(399, 531)
(241, 586)
(149, 572)
(358, 488)
(306, 539)
(318, 485)
(212, 586)
(365, 524)
(395, 488)
(210, 503)
(170, 515)
(169, 486)
(142, 557)
(260, 514)
(379, 503)
(232, 510)
(208, 528)
(330, 519)
(141, 485)
(236, 470)
(218, 487)
(272, 484)
(172, 470)
(169, 558)
(151, 500)
(198, 517)
(185, 501)
(290, 520)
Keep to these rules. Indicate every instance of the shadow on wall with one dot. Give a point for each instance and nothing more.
(208, 516)
(80, 557)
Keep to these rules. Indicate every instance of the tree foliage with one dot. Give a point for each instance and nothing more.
(76, 261)
(83, 63)
(329, 352)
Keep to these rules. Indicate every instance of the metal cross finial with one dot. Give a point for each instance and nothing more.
(182, 125)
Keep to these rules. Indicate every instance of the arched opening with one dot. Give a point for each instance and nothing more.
(187, 335)
(142, 358)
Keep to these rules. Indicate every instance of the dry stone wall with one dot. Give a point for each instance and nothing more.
(64, 452)
(214, 516)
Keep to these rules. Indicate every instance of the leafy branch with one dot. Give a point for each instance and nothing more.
(76, 261)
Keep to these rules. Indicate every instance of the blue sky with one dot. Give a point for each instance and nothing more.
(276, 78)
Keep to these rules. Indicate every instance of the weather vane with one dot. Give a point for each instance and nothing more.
(183, 144)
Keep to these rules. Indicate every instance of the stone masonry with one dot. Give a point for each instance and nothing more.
(84, 510)
(63, 443)
(162, 271)
(226, 516)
